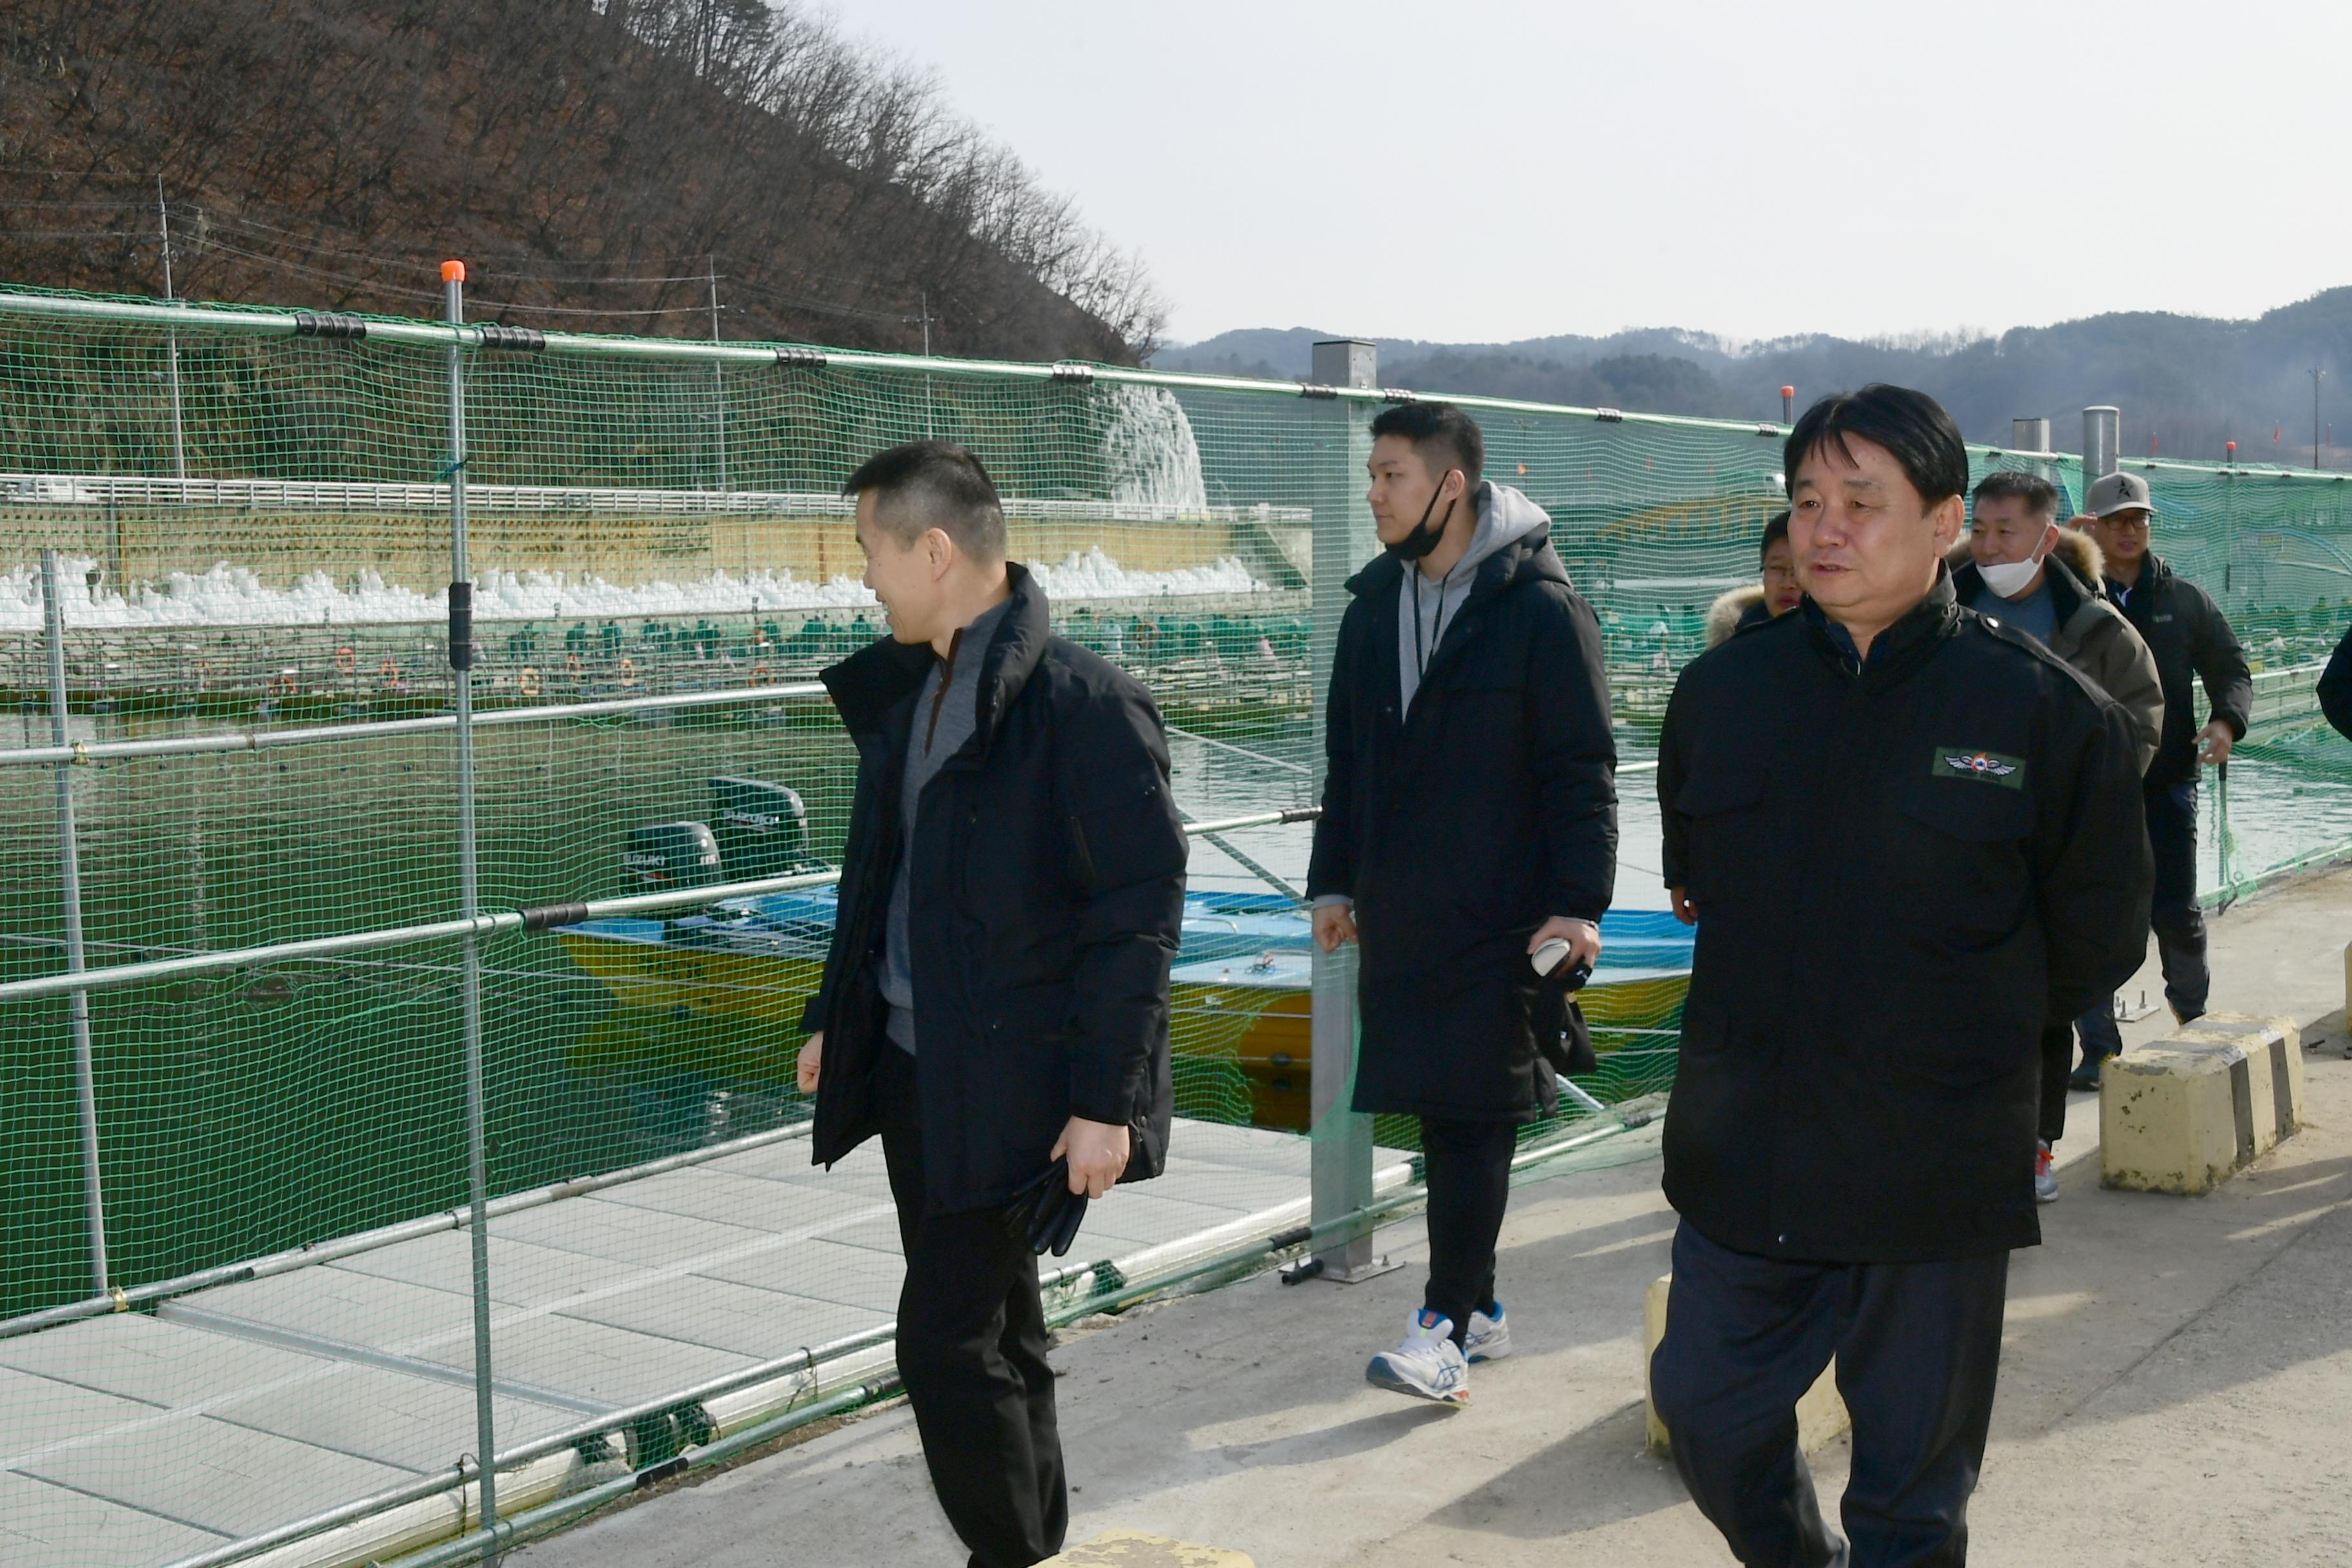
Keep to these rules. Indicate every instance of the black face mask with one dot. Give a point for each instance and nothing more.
(1423, 538)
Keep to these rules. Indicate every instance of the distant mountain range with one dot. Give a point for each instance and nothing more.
(2189, 382)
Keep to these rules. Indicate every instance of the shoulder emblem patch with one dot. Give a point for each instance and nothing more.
(1985, 767)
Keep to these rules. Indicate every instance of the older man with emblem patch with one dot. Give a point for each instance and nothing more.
(1907, 834)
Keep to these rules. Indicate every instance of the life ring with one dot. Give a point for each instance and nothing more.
(760, 675)
(628, 672)
(346, 660)
(389, 671)
(285, 684)
(572, 665)
(527, 680)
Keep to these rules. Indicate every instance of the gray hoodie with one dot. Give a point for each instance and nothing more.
(1505, 516)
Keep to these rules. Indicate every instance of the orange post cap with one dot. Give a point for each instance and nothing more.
(453, 272)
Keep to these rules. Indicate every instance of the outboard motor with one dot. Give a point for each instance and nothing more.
(762, 828)
(673, 855)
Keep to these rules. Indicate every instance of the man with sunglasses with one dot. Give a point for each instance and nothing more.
(2193, 641)
(1469, 819)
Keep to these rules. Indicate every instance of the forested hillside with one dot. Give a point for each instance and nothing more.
(2187, 382)
(595, 163)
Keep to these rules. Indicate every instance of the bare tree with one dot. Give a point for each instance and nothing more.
(589, 158)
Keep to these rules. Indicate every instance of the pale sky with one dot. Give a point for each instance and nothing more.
(1474, 170)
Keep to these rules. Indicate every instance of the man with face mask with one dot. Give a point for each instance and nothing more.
(2017, 563)
(1469, 817)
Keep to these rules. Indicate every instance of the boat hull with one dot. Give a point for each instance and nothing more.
(1241, 994)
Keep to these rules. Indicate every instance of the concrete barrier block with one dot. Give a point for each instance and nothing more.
(1820, 1413)
(1133, 1549)
(2181, 1115)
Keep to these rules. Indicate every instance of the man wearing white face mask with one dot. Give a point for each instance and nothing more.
(2019, 566)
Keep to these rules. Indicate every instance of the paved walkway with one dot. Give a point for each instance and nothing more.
(2176, 1385)
(134, 1439)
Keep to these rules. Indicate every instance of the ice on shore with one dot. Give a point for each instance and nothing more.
(234, 596)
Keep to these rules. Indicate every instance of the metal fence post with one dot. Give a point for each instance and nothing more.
(470, 898)
(171, 342)
(2102, 442)
(70, 881)
(1344, 540)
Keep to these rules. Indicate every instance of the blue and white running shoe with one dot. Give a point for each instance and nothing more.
(1428, 1366)
(1489, 1339)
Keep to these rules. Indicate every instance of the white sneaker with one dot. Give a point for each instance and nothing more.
(1428, 1366)
(1489, 1339)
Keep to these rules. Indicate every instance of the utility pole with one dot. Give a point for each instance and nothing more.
(170, 338)
(2317, 376)
(717, 372)
(925, 297)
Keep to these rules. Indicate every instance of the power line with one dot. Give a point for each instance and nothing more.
(256, 227)
(320, 273)
(220, 231)
(591, 309)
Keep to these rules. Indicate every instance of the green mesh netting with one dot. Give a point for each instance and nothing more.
(650, 527)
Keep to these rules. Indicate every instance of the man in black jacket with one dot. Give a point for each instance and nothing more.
(2043, 580)
(1469, 817)
(996, 997)
(2335, 690)
(2193, 641)
(1906, 830)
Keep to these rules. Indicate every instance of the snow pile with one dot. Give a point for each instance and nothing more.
(234, 596)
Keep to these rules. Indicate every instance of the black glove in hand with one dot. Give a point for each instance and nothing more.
(1045, 1213)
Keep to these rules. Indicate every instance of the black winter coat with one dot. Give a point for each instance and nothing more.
(1045, 904)
(2335, 687)
(2193, 641)
(1900, 872)
(1490, 808)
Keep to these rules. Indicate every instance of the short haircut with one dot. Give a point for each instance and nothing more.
(1911, 425)
(2040, 496)
(924, 485)
(1444, 436)
(1775, 532)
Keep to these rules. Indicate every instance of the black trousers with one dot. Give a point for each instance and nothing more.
(1467, 1165)
(2057, 1061)
(971, 1352)
(2180, 924)
(1919, 1351)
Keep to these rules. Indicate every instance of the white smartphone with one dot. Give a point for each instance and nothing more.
(1547, 957)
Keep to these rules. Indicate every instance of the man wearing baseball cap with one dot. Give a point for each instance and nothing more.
(2191, 641)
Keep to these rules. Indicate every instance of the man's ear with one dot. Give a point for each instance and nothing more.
(2049, 539)
(1948, 516)
(941, 550)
